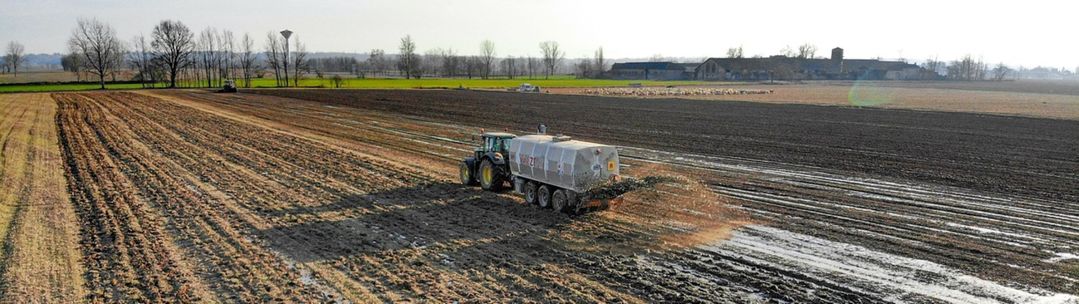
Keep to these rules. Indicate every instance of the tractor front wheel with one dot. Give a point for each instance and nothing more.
(489, 179)
(466, 175)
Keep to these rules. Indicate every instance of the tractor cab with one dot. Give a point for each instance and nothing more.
(494, 142)
(488, 165)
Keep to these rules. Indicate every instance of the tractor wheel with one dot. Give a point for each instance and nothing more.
(466, 175)
(530, 193)
(559, 200)
(544, 196)
(489, 179)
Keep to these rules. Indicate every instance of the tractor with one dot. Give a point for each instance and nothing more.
(488, 165)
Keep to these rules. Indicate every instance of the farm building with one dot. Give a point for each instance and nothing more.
(652, 70)
(792, 68)
(774, 67)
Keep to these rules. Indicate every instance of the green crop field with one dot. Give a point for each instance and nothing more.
(379, 83)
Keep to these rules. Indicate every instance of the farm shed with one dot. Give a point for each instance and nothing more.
(793, 68)
(662, 70)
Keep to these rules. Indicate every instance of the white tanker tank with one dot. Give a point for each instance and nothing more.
(557, 170)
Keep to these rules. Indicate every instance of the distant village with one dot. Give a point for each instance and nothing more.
(785, 67)
(778, 67)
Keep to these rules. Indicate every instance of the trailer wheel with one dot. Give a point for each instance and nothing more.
(559, 200)
(466, 175)
(530, 193)
(489, 177)
(544, 197)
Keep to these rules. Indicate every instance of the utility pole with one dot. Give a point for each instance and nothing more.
(286, 33)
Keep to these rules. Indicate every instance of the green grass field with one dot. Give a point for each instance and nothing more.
(380, 83)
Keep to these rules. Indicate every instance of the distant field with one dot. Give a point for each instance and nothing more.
(394, 83)
(37, 76)
(1009, 98)
(380, 83)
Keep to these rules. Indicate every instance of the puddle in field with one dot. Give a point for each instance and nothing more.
(872, 271)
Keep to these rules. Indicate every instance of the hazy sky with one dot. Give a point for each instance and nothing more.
(1027, 32)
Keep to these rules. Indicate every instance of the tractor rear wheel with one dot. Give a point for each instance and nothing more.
(544, 196)
(559, 200)
(530, 193)
(466, 175)
(489, 179)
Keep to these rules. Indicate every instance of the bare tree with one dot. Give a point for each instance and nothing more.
(471, 65)
(377, 61)
(1001, 71)
(552, 57)
(601, 63)
(228, 46)
(965, 68)
(408, 61)
(72, 63)
(207, 53)
(173, 46)
(141, 60)
(584, 68)
(247, 59)
(509, 66)
(532, 65)
(299, 61)
(807, 51)
(933, 68)
(450, 62)
(14, 56)
(96, 42)
(487, 57)
(274, 56)
(735, 52)
(432, 62)
(787, 51)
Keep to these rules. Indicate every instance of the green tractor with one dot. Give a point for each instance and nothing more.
(488, 165)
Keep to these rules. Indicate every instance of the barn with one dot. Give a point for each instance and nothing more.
(793, 68)
(661, 70)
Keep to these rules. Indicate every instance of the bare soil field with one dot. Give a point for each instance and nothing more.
(889, 204)
(1027, 98)
(41, 260)
(350, 195)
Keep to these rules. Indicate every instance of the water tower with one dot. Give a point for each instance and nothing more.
(837, 55)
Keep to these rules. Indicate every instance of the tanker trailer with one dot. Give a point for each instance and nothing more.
(550, 171)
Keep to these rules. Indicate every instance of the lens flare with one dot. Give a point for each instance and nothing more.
(868, 94)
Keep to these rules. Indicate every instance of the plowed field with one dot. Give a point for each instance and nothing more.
(338, 195)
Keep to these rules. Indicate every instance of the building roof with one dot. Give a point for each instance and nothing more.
(655, 65)
(800, 64)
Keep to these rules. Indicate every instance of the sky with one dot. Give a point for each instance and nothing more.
(1019, 33)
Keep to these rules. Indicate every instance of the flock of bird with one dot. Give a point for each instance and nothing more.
(644, 92)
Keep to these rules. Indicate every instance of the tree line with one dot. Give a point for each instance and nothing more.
(174, 55)
(177, 56)
(438, 62)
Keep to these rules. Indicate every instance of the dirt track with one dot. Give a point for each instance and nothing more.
(198, 196)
